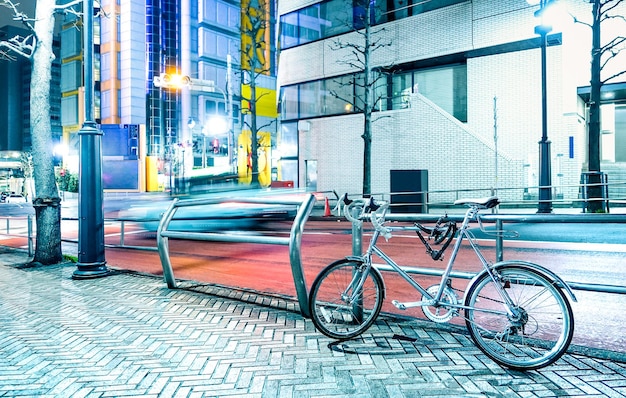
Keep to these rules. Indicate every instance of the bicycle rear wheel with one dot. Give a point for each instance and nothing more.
(339, 308)
(532, 334)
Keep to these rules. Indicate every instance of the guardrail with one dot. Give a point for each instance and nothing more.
(294, 240)
(29, 229)
(296, 233)
(499, 220)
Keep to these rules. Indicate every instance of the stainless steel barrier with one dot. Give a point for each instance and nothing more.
(29, 230)
(499, 219)
(293, 241)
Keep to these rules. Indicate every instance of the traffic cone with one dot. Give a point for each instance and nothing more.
(326, 208)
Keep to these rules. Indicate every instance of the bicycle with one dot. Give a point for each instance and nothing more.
(516, 312)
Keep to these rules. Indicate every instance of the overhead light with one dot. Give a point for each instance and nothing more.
(608, 95)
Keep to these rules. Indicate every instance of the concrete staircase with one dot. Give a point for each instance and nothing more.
(616, 178)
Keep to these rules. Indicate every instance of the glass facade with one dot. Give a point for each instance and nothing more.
(446, 86)
(332, 18)
(162, 38)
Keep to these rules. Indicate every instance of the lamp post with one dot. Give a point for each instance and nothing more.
(545, 173)
(91, 262)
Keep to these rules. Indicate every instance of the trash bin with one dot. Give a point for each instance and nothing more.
(409, 191)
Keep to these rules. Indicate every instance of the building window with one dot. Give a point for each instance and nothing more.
(105, 110)
(105, 31)
(105, 66)
(289, 102)
(69, 110)
(331, 18)
(71, 40)
(71, 76)
(213, 107)
(446, 86)
(310, 99)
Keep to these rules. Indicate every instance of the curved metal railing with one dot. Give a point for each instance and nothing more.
(294, 241)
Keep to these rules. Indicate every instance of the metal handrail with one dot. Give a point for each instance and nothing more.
(29, 230)
(499, 219)
(294, 241)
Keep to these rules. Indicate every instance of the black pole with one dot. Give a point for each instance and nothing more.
(91, 263)
(545, 172)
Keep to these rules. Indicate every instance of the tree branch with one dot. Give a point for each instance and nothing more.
(24, 46)
(614, 76)
(610, 5)
(17, 14)
(576, 20)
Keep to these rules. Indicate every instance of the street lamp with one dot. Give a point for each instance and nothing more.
(91, 262)
(545, 173)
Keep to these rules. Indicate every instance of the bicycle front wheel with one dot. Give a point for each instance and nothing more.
(345, 299)
(533, 332)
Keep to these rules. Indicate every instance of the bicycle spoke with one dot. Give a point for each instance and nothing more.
(344, 302)
(536, 330)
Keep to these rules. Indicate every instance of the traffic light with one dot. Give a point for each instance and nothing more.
(167, 80)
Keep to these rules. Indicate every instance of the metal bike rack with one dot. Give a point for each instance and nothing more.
(293, 241)
(499, 219)
(29, 229)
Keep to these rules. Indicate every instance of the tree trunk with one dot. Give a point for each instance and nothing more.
(254, 139)
(46, 201)
(368, 106)
(595, 189)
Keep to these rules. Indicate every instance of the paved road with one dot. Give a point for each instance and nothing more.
(128, 335)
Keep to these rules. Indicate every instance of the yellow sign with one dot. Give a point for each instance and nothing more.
(265, 101)
(264, 160)
(255, 36)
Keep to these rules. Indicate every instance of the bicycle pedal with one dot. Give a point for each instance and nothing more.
(398, 305)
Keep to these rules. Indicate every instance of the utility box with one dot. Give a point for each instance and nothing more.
(409, 191)
(121, 157)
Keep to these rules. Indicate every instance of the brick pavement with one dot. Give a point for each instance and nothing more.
(129, 335)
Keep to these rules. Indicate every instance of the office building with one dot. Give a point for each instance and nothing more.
(139, 41)
(457, 96)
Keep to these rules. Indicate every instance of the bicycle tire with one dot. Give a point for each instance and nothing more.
(340, 318)
(539, 333)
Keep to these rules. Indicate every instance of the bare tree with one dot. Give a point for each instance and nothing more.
(256, 61)
(601, 56)
(37, 47)
(369, 40)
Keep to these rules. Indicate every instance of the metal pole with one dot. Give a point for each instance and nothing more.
(91, 262)
(545, 172)
(30, 234)
(231, 128)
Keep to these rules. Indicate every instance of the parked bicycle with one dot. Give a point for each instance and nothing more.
(516, 312)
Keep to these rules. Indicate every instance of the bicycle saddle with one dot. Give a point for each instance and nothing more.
(484, 203)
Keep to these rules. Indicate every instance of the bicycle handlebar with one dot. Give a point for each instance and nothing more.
(369, 208)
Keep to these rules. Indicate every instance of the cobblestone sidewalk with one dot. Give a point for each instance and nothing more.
(129, 335)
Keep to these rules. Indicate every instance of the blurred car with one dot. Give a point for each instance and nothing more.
(15, 198)
(228, 215)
